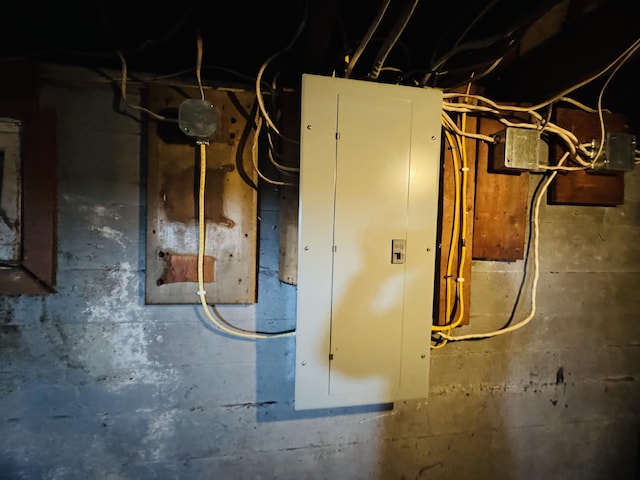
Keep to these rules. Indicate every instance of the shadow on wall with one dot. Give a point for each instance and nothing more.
(463, 417)
(365, 339)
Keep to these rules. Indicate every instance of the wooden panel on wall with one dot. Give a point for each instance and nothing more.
(500, 208)
(290, 151)
(172, 201)
(580, 187)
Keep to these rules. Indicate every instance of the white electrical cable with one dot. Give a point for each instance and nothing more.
(365, 41)
(201, 292)
(259, 96)
(623, 57)
(622, 60)
(254, 158)
(536, 268)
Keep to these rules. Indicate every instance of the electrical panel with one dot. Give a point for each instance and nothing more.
(368, 218)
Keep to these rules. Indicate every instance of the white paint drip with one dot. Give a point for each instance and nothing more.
(98, 215)
(112, 306)
(99, 212)
(124, 340)
(161, 428)
(110, 234)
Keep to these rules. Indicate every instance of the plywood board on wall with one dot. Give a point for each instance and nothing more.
(501, 207)
(580, 187)
(289, 194)
(172, 244)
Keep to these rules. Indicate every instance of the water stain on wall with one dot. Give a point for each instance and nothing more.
(179, 200)
(9, 333)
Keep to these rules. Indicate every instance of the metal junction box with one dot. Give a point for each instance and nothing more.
(368, 217)
(618, 154)
(519, 150)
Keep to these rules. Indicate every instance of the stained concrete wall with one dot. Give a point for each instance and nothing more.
(96, 384)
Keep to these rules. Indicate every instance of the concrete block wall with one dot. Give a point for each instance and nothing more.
(96, 384)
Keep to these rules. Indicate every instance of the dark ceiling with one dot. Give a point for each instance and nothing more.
(544, 46)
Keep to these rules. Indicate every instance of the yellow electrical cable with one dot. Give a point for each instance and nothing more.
(444, 342)
(201, 250)
(463, 209)
(454, 236)
(456, 219)
(459, 218)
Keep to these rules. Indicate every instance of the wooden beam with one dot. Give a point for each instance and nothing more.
(288, 262)
(583, 48)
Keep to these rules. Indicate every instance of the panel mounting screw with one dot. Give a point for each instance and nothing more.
(306, 247)
(309, 127)
(304, 362)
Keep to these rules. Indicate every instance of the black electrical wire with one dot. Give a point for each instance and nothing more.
(248, 126)
(257, 332)
(525, 268)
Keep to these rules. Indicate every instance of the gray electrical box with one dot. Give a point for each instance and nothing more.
(618, 154)
(198, 118)
(368, 220)
(519, 150)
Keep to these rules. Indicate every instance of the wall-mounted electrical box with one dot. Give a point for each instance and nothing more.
(368, 216)
(617, 154)
(519, 150)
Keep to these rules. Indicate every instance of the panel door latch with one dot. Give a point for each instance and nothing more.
(398, 247)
